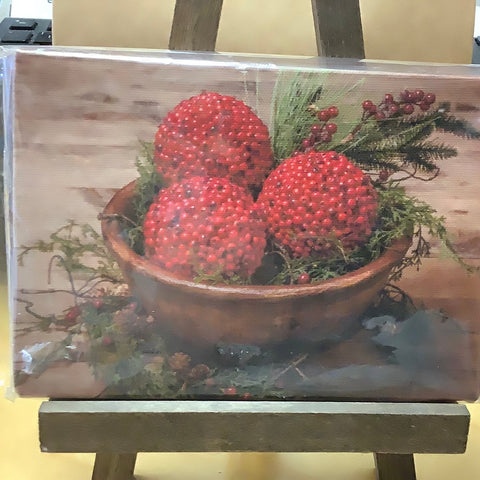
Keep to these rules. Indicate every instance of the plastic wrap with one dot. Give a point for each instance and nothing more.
(184, 225)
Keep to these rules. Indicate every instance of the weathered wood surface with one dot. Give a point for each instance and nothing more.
(114, 466)
(190, 426)
(195, 25)
(338, 28)
(395, 466)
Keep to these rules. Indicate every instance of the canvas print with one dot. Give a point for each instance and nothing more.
(188, 226)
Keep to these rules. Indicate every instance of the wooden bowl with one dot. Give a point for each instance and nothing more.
(205, 315)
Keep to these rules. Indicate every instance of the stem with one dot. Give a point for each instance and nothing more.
(292, 365)
(116, 216)
(28, 309)
(69, 274)
(415, 176)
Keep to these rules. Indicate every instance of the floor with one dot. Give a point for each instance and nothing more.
(21, 459)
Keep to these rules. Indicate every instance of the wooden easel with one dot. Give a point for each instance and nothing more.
(117, 430)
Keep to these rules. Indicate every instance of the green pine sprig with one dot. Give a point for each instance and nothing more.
(398, 143)
(291, 117)
(149, 183)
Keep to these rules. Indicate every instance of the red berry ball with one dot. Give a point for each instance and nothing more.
(215, 135)
(408, 109)
(107, 340)
(418, 94)
(388, 98)
(380, 116)
(429, 98)
(323, 115)
(333, 111)
(331, 128)
(205, 226)
(230, 391)
(316, 201)
(303, 279)
(315, 129)
(367, 105)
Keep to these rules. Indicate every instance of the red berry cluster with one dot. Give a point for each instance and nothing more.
(214, 135)
(404, 105)
(321, 132)
(317, 202)
(205, 226)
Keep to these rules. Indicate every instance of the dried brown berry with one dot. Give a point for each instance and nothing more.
(199, 372)
(179, 362)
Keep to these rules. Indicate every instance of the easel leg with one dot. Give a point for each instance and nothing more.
(114, 466)
(392, 466)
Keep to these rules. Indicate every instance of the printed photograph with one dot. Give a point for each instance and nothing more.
(188, 227)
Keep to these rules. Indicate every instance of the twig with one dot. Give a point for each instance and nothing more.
(28, 309)
(116, 216)
(292, 365)
(60, 259)
(417, 177)
(301, 373)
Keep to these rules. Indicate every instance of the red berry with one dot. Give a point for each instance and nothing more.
(331, 128)
(323, 115)
(379, 116)
(333, 111)
(246, 396)
(407, 96)
(215, 135)
(408, 108)
(384, 175)
(98, 303)
(388, 98)
(230, 391)
(367, 105)
(73, 313)
(309, 198)
(306, 143)
(316, 129)
(107, 340)
(303, 279)
(392, 109)
(418, 94)
(205, 226)
(429, 98)
(424, 106)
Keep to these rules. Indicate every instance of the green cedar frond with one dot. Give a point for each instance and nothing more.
(459, 127)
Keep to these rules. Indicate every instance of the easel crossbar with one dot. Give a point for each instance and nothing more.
(223, 426)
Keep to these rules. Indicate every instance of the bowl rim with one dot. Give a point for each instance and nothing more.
(113, 238)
